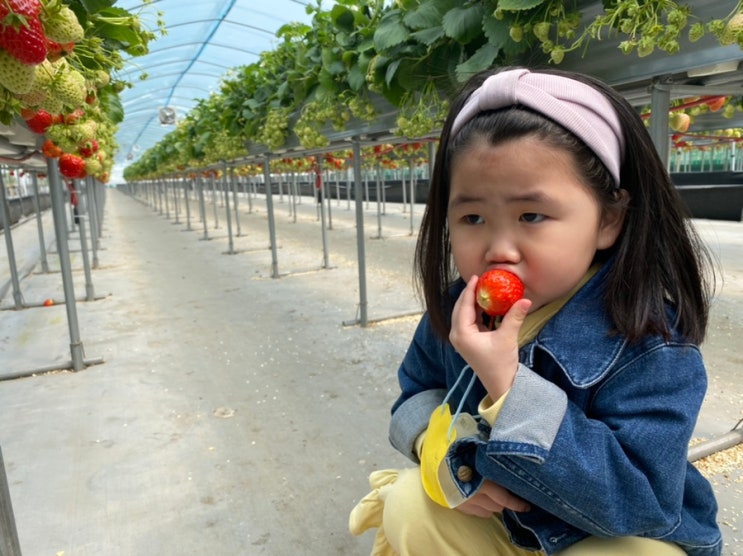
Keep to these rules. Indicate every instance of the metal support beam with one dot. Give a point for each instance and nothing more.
(271, 219)
(363, 303)
(60, 228)
(660, 102)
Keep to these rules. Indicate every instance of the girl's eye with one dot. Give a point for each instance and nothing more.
(474, 219)
(532, 217)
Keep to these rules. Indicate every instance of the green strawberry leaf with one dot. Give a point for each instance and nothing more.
(464, 24)
(479, 61)
(518, 5)
(391, 32)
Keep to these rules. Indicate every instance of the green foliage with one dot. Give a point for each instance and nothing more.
(413, 53)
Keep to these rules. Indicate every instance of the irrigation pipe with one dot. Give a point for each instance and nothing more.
(723, 442)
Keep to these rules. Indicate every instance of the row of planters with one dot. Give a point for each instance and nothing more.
(58, 65)
(359, 60)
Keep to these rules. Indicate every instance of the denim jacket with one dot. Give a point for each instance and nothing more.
(593, 433)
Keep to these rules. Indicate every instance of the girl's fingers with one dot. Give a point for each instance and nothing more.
(515, 317)
(464, 308)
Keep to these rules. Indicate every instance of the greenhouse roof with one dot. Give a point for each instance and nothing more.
(204, 41)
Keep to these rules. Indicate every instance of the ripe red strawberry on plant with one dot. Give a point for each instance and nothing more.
(715, 103)
(39, 121)
(497, 290)
(71, 166)
(55, 50)
(88, 148)
(50, 150)
(21, 32)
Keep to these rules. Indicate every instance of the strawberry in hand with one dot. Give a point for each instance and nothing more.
(497, 290)
(493, 353)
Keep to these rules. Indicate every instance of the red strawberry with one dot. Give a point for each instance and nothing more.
(20, 7)
(71, 166)
(87, 148)
(73, 116)
(22, 36)
(715, 103)
(497, 290)
(39, 122)
(50, 150)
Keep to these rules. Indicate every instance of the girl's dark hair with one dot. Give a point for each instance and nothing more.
(658, 257)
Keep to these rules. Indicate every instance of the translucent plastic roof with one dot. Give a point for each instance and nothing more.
(203, 41)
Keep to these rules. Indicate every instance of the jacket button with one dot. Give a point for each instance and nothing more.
(464, 473)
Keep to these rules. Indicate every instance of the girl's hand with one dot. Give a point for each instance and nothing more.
(492, 498)
(492, 354)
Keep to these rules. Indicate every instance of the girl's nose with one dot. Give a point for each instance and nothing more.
(502, 249)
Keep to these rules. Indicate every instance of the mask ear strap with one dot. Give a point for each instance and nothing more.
(461, 402)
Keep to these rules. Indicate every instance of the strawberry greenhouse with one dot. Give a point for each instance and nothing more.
(218, 115)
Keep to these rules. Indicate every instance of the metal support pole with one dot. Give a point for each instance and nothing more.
(321, 193)
(248, 186)
(213, 185)
(159, 205)
(660, 102)
(379, 200)
(91, 212)
(176, 203)
(55, 189)
(39, 224)
(9, 543)
(99, 194)
(413, 181)
(328, 198)
(271, 220)
(235, 200)
(293, 198)
(187, 202)
(363, 317)
(89, 290)
(202, 207)
(17, 297)
(226, 194)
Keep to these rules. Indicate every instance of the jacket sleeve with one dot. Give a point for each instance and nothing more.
(422, 380)
(615, 468)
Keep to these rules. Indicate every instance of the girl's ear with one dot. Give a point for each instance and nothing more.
(612, 221)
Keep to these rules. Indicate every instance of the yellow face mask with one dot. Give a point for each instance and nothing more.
(442, 431)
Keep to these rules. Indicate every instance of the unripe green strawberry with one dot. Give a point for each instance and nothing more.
(85, 131)
(497, 290)
(557, 55)
(516, 32)
(679, 121)
(51, 104)
(542, 30)
(696, 32)
(16, 77)
(44, 74)
(63, 26)
(93, 166)
(102, 78)
(733, 28)
(69, 86)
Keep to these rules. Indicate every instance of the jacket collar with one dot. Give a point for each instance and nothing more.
(580, 336)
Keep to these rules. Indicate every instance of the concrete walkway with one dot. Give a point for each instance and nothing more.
(235, 413)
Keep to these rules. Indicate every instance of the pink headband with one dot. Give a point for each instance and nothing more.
(576, 106)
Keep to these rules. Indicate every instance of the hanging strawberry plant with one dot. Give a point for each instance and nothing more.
(56, 60)
(414, 54)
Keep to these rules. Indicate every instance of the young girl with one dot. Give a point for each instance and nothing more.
(571, 437)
